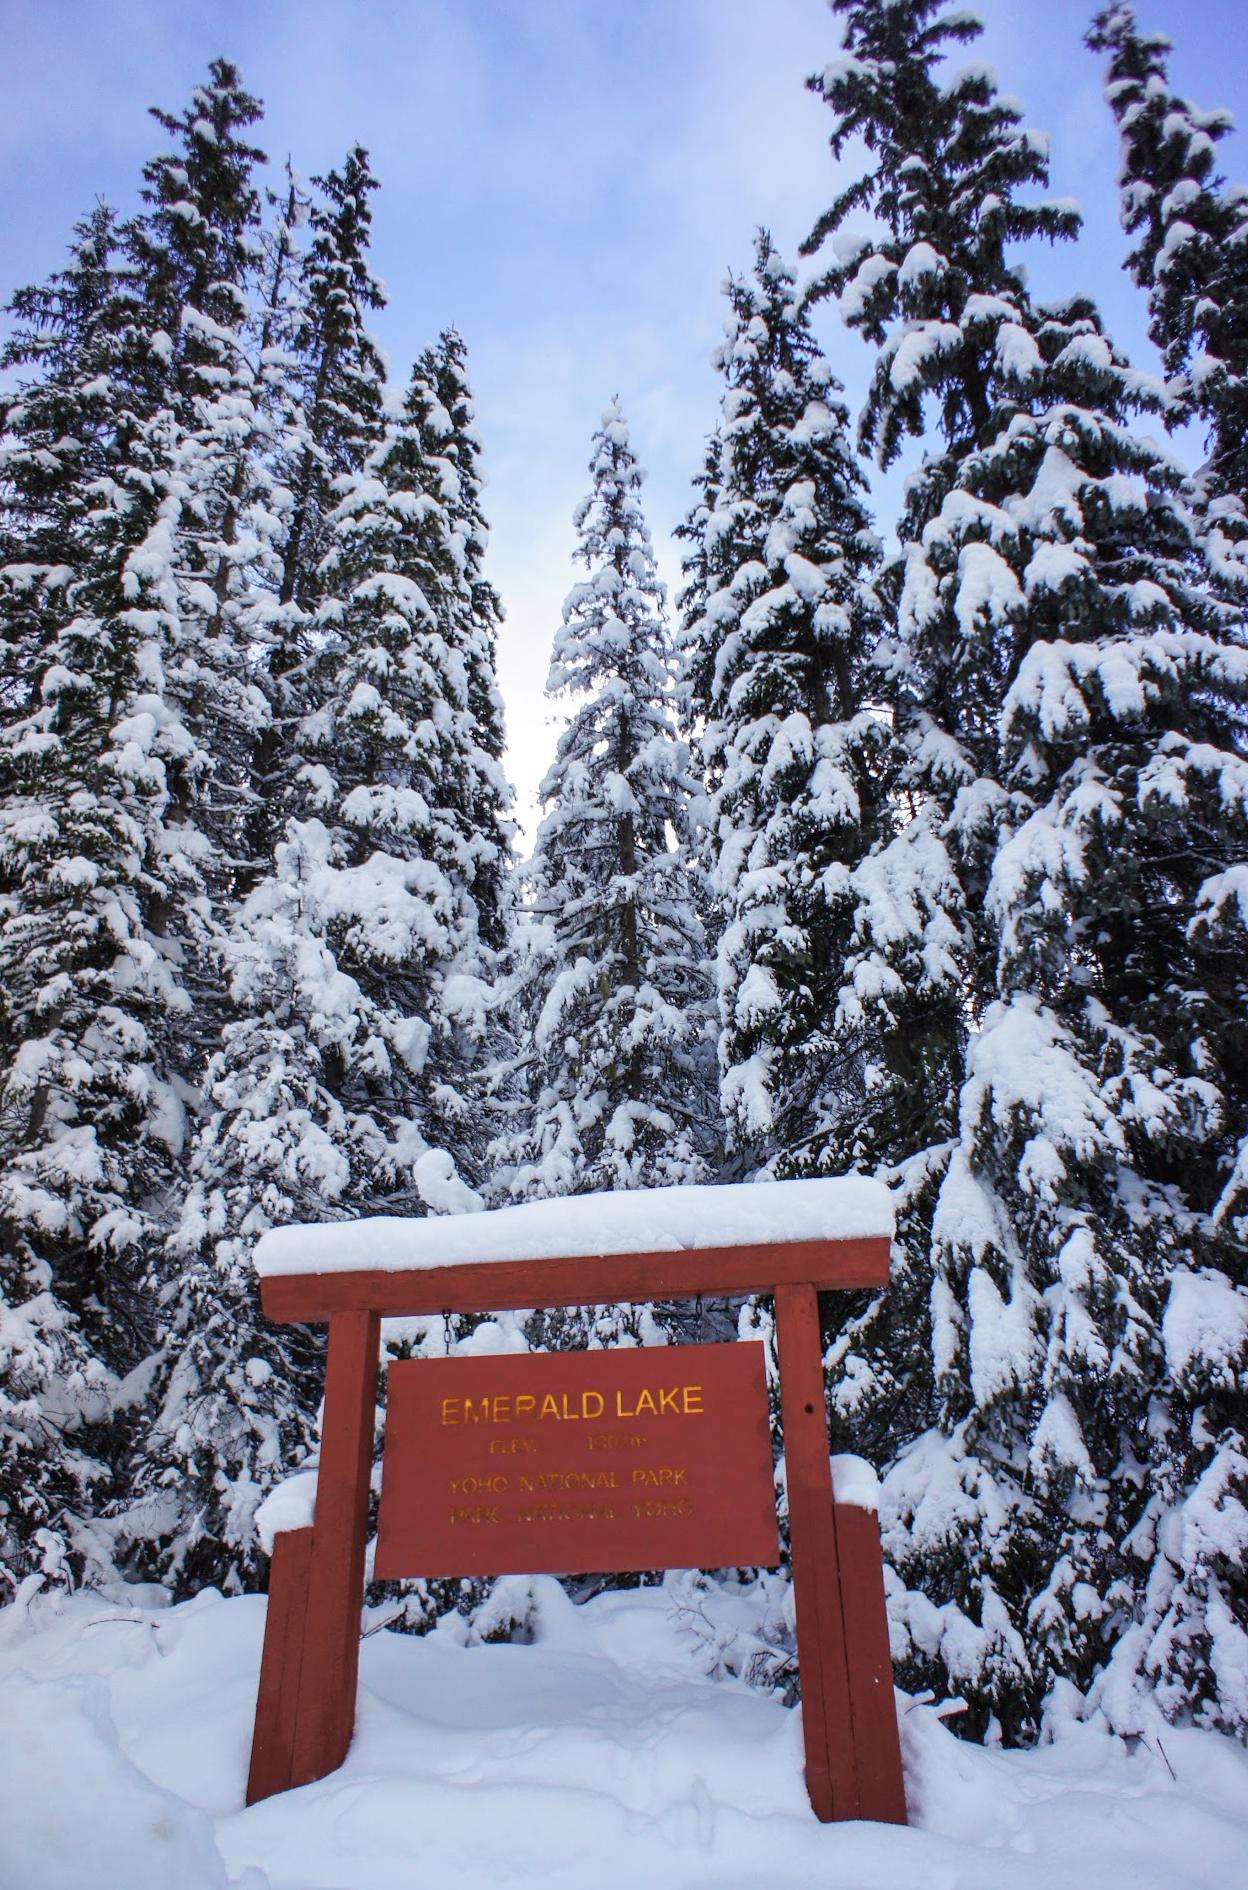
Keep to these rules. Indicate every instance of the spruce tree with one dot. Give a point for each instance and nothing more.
(402, 737)
(58, 434)
(116, 767)
(339, 374)
(331, 387)
(358, 982)
(194, 246)
(614, 992)
(92, 1103)
(470, 612)
(203, 401)
(443, 394)
(779, 619)
(1191, 257)
(1069, 692)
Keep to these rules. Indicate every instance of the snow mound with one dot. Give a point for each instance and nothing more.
(75, 1811)
(651, 1220)
(600, 1754)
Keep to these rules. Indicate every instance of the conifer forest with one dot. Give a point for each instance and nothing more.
(913, 846)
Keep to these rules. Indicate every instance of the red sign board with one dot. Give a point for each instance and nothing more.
(552, 1463)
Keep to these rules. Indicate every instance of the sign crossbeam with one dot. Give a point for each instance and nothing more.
(576, 1280)
(306, 1705)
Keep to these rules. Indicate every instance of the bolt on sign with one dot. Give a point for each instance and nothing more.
(553, 1463)
(654, 1457)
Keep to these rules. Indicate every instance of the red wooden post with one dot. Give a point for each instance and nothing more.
(877, 1747)
(325, 1706)
(280, 1665)
(827, 1722)
(849, 1717)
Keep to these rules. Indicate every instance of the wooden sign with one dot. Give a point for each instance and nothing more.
(555, 1463)
(680, 1410)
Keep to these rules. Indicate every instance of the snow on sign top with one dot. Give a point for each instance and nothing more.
(652, 1220)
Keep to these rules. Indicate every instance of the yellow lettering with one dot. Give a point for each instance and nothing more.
(450, 1410)
(566, 1512)
(525, 1402)
(693, 1400)
(652, 1509)
(476, 1411)
(569, 1480)
(595, 1409)
(549, 1407)
(645, 1402)
(667, 1402)
(502, 1409)
(478, 1486)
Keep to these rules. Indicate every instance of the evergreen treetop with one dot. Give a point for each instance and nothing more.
(937, 292)
(195, 247)
(339, 374)
(1191, 257)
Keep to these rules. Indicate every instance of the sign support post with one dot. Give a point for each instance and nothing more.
(325, 1712)
(281, 1666)
(831, 1776)
(838, 1592)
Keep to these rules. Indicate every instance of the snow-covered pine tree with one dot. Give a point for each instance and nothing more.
(58, 433)
(1069, 692)
(914, 953)
(617, 1015)
(614, 986)
(330, 417)
(356, 972)
(230, 419)
(469, 611)
(401, 753)
(1191, 257)
(473, 620)
(779, 619)
(194, 245)
(199, 399)
(109, 816)
(92, 1102)
(340, 375)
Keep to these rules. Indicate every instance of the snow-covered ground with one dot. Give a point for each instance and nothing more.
(597, 1758)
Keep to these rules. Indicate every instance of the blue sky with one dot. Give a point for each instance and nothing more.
(565, 180)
